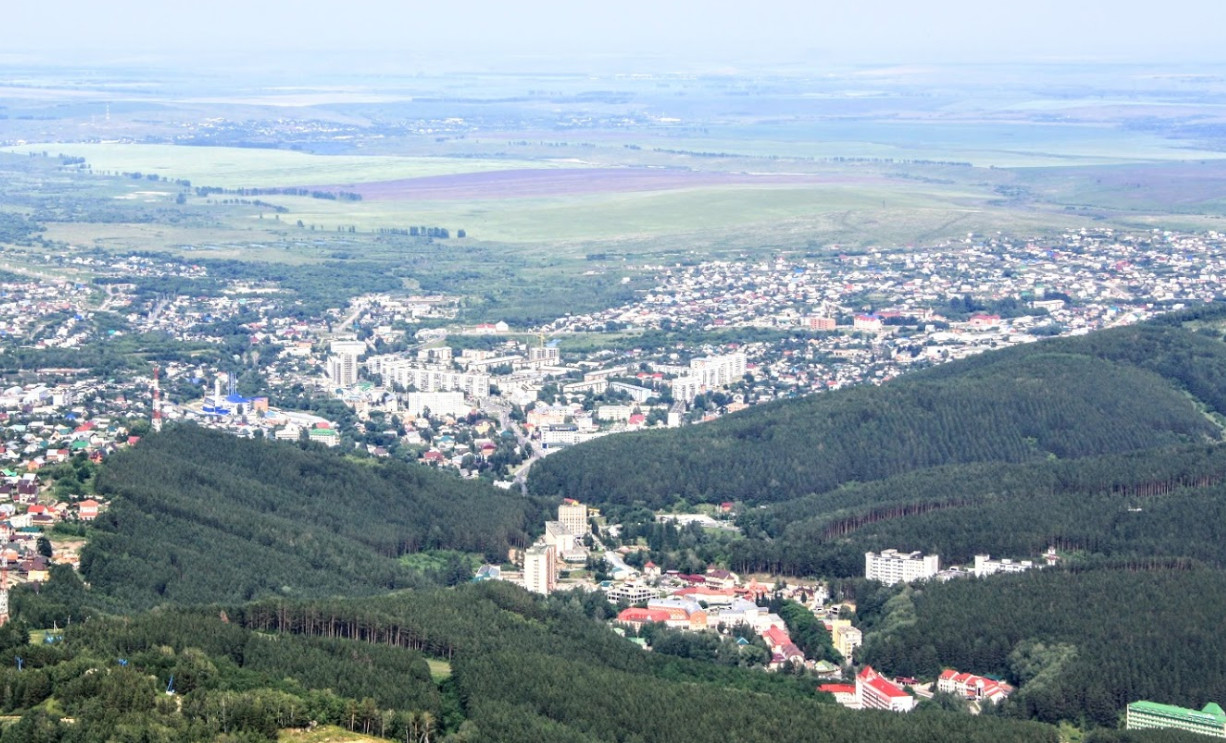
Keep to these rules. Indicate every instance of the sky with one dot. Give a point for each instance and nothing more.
(494, 34)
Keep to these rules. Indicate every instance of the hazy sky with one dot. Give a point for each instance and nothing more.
(496, 32)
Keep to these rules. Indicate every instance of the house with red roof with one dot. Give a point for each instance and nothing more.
(636, 618)
(970, 686)
(776, 637)
(88, 509)
(984, 322)
(877, 692)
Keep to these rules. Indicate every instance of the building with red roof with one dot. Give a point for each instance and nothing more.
(776, 638)
(877, 692)
(636, 618)
(844, 694)
(970, 686)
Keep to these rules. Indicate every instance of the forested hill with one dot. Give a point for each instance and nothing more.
(1116, 391)
(512, 668)
(199, 516)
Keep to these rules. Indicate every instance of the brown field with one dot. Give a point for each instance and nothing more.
(536, 183)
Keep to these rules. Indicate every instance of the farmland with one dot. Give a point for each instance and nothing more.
(566, 186)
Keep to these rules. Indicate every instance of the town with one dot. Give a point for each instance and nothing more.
(404, 376)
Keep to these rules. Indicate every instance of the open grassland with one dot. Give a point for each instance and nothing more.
(566, 208)
(326, 734)
(1197, 187)
(854, 214)
(234, 167)
(983, 143)
(254, 242)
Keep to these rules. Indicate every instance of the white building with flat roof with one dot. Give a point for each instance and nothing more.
(708, 373)
(573, 516)
(438, 403)
(428, 378)
(892, 566)
(985, 566)
(541, 568)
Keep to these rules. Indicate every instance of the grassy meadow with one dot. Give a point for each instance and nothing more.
(251, 167)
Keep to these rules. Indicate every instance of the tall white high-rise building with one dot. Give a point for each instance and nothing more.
(718, 371)
(892, 566)
(541, 568)
(343, 363)
(707, 373)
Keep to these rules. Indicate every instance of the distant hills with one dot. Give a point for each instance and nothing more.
(1117, 391)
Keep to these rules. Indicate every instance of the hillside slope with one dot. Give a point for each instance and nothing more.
(1116, 391)
(200, 516)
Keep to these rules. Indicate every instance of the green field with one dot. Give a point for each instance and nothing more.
(240, 167)
(845, 205)
(737, 215)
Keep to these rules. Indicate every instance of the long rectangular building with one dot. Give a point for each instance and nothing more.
(428, 378)
(1152, 715)
(892, 566)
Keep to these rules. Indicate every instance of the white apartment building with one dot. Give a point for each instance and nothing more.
(614, 412)
(544, 356)
(427, 378)
(717, 371)
(541, 568)
(342, 365)
(438, 403)
(708, 373)
(632, 591)
(567, 544)
(892, 566)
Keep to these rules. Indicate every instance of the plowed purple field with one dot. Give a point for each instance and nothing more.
(532, 183)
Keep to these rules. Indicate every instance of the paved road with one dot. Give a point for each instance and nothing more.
(503, 410)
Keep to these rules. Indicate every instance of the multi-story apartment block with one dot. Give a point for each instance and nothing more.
(846, 637)
(342, 365)
(877, 692)
(892, 566)
(541, 568)
(573, 516)
(427, 378)
(717, 371)
(438, 403)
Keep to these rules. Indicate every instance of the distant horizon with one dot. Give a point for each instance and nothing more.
(392, 63)
(681, 35)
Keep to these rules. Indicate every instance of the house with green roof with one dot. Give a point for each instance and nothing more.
(1151, 715)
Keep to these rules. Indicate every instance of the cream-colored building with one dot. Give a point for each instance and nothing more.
(541, 568)
(573, 516)
(845, 637)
